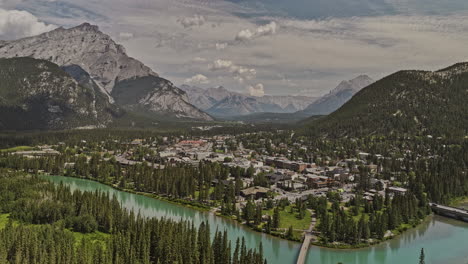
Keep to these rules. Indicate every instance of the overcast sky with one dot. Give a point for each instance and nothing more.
(278, 47)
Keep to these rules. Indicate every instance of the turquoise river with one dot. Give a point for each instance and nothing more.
(445, 241)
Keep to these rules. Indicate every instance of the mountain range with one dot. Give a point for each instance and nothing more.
(80, 78)
(124, 81)
(221, 102)
(225, 104)
(408, 103)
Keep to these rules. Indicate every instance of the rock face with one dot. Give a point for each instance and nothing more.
(238, 105)
(152, 94)
(289, 104)
(224, 103)
(338, 96)
(107, 64)
(37, 94)
(205, 98)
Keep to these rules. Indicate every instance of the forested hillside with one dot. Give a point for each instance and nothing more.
(37, 94)
(404, 103)
(42, 223)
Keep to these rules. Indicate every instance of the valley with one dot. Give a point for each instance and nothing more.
(218, 138)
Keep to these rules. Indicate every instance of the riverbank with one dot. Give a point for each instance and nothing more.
(460, 202)
(435, 233)
(298, 236)
(194, 206)
(180, 202)
(398, 232)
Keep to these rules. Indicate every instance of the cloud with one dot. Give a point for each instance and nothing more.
(247, 73)
(196, 20)
(315, 55)
(239, 79)
(240, 73)
(221, 46)
(125, 35)
(9, 3)
(221, 65)
(265, 30)
(16, 24)
(199, 60)
(245, 35)
(198, 79)
(257, 90)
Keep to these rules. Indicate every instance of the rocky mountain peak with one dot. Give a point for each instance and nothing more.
(87, 27)
(408, 102)
(84, 45)
(338, 96)
(354, 85)
(109, 67)
(220, 101)
(458, 68)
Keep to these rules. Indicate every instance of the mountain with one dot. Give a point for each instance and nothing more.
(235, 105)
(206, 98)
(123, 79)
(271, 118)
(337, 97)
(38, 94)
(407, 102)
(224, 103)
(288, 103)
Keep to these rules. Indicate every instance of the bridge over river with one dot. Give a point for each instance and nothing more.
(308, 238)
(279, 251)
(448, 211)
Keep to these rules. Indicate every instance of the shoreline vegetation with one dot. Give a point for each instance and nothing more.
(182, 203)
(43, 222)
(207, 209)
(460, 201)
(381, 195)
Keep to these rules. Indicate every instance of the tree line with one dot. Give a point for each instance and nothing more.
(44, 219)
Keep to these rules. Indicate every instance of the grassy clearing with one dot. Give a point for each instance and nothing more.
(288, 219)
(15, 149)
(360, 214)
(4, 220)
(197, 193)
(460, 201)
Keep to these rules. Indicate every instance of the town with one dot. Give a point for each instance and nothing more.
(273, 188)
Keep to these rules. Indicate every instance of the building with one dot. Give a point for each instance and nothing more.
(191, 143)
(256, 192)
(317, 182)
(397, 190)
(168, 153)
(35, 153)
(292, 185)
(277, 177)
(283, 163)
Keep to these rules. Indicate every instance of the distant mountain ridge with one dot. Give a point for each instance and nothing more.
(221, 102)
(109, 67)
(230, 105)
(337, 97)
(404, 103)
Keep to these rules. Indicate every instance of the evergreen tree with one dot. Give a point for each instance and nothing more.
(422, 257)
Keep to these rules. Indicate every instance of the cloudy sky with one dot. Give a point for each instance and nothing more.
(278, 47)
